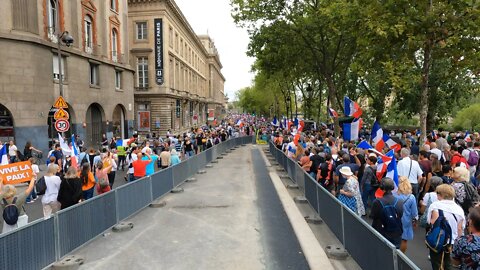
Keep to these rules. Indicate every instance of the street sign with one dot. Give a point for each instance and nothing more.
(60, 103)
(61, 114)
(62, 125)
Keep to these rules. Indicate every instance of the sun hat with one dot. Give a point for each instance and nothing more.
(346, 171)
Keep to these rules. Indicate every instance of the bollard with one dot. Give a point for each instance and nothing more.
(158, 203)
(70, 262)
(123, 227)
(177, 190)
(336, 252)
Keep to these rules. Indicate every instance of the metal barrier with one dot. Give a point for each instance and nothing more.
(354, 233)
(45, 241)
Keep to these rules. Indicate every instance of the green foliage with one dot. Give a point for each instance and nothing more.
(468, 118)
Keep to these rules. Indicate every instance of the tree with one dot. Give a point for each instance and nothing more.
(468, 118)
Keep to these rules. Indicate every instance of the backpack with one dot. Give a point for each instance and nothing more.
(41, 186)
(473, 158)
(103, 182)
(84, 159)
(325, 171)
(439, 236)
(391, 221)
(471, 196)
(10, 212)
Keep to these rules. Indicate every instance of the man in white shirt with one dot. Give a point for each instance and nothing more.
(12, 152)
(435, 150)
(411, 169)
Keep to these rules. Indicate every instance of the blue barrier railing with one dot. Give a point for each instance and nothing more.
(354, 233)
(45, 241)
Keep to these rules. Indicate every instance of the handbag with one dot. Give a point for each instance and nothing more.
(350, 202)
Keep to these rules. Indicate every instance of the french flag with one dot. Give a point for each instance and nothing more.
(4, 156)
(352, 108)
(377, 136)
(391, 143)
(434, 135)
(351, 130)
(275, 122)
(467, 137)
(76, 152)
(365, 145)
(301, 125)
(289, 124)
(387, 163)
(332, 113)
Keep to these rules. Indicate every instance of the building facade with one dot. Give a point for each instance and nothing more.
(97, 78)
(178, 80)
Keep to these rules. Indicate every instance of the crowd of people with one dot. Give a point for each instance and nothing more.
(71, 179)
(437, 186)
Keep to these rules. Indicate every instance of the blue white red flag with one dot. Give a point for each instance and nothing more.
(391, 144)
(3, 155)
(275, 122)
(352, 108)
(434, 135)
(377, 137)
(351, 130)
(332, 113)
(467, 136)
(301, 125)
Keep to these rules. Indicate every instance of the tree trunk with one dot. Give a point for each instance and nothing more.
(427, 55)
(332, 91)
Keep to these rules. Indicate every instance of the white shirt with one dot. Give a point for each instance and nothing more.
(430, 196)
(404, 168)
(53, 185)
(130, 160)
(437, 152)
(35, 170)
(12, 150)
(466, 153)
(449, 208)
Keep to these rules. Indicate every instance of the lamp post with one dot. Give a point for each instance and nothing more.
(64, 37)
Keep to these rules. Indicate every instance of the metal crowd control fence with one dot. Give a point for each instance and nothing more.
(354, 233)
(45, 241)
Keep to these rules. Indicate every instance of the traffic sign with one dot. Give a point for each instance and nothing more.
(62, 125)
(60, 103)
(61, 114)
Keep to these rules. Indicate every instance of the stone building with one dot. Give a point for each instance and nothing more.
(97, 78)
(178, 81)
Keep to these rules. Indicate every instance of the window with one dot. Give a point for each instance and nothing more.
(113, 5)
(181, 47)
(177, 108)
(56, 70)
(142, 72)
(141, 30)
(52, 17)
(176, 42)
(114, 45)
(88, 34)
(170, 37)
(118, 79)
(94, 74)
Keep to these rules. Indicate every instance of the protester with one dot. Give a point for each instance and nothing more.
(369, 182)
(28, 150)
(12, 151)
(350, 192)
(325, 174)
(410, 212)
(165, 158)
(387, 213)
(466, 250)
(70, 192)
(411, 169)
(88, 181)
(465, 194)
(150, 169)
(354, 167)
(131, 157)
(10, 195)
(101, 173)
(140, 166)
(174, 159)
(49, 199)
(455, 218)
(429, 198)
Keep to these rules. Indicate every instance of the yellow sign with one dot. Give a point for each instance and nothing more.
(60, 103)
(61, 114)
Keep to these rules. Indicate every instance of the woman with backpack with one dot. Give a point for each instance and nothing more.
(9, 196)
(444, 209)
(49, 199)
(464, 191)
(101, 173)
(70, 191)
(410, 212)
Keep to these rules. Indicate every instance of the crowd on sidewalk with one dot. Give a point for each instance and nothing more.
(72, 178)
(434, 185)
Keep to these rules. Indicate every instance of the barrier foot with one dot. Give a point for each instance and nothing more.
(274, 163)
(292, 186)
(201, 172)
(284, 176)
(69, 262)
(231, 149)
(123, 227)
(158, 204)
(191, 179)
(224, 154)
(300, 199)
(280, 169)
(336, 252)
(219, 157)
(313, 219)
(209, 166)
(177, 190)
(214, 161)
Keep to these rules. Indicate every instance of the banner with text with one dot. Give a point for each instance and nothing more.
(16, 173)
(158, 51)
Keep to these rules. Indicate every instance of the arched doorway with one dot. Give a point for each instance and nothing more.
(52, 132)
(7, 131)
(94, 121)
(118, 122)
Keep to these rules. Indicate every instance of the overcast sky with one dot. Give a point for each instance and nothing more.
(214, 16)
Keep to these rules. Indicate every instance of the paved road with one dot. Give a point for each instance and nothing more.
(231, 218)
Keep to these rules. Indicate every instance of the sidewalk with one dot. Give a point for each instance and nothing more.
(219, 222)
